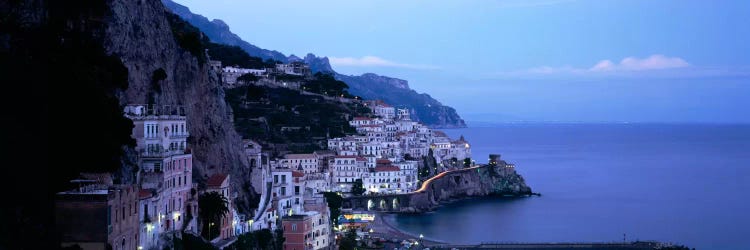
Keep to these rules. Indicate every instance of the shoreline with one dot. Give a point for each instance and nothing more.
(382, 228)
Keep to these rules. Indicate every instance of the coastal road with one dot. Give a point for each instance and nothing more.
(426, 183)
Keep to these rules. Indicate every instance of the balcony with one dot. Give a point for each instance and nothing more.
(160, 153)
(179, 135)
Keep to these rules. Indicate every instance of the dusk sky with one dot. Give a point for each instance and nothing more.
(526, 60)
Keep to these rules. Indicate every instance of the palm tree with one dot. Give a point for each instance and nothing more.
(212, 207)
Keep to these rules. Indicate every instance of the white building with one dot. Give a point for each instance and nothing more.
(165, 174)
(230, 74)
(307, 163)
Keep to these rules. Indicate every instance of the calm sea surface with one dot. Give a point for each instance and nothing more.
(687, 184)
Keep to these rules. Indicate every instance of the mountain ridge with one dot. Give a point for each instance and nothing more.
(423, 107)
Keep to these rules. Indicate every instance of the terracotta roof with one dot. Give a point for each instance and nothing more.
(383, 161)
(387, 169)
(216, 180)
(345, 156)
(297, 174)
(145, 193)
(299, 156)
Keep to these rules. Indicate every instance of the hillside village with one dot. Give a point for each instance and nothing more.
(388, 153)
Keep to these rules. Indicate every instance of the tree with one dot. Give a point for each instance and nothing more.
(334, 201)
(249, 77)
(467, 162)
(349, 241)
(325, 83)
(246, 241)
(278, 239)
(264, 238)
(213, 207)
(358, 188)
(408, 157)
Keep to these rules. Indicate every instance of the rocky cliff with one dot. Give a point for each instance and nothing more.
(218, 32)
(141, 35)
(489, 180)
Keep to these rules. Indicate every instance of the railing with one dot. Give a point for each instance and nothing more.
(160, 153)
(181, 135)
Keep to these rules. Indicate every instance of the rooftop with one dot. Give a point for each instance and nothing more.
(387, 169)
(216, 180)
(299, 156)
(297, 174)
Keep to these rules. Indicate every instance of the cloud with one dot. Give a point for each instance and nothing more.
(653, 62)
(374, 61)
(627, 66)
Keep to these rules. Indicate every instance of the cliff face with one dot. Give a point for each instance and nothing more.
(218, 32)
(140, 34)
(489, 180)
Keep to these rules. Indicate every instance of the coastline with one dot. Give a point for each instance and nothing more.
(382, 228)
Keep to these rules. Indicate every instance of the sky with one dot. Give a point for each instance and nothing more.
(526, 60)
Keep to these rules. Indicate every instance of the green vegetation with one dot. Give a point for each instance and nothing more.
(260, 239)
(249, 77)
(188, 37)
(427, 163)
(213, 207)
(278, 239)
(288, 78)
(234, 55)
(325, 84)
(334, 201)
(467, 162)
(288, 119)
(358, 187)
(349, 241)
(191, 242)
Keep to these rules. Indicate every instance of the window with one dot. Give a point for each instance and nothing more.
(296, 190)
(283, 179)
(275, 179)
(109, 219)
(294, 227)
(283, 190)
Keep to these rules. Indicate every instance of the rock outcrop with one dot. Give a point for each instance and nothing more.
(484, 181)
(487, 180)
(139, 33)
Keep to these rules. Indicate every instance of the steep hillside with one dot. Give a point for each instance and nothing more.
(285, 120)
(147, 39)
(218, 32)
(425, 108)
